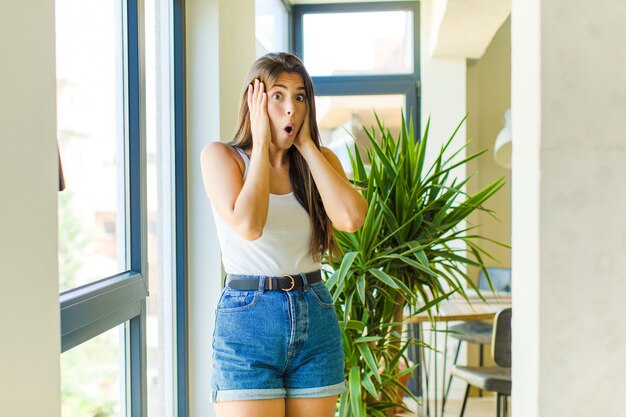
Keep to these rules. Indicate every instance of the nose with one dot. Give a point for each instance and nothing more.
(289, 107)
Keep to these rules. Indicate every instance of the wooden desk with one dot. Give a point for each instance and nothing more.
(454, 309)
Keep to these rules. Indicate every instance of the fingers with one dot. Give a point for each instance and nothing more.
(257, 97)
(249, 97)
(262, 96)
(305, 128)
(257, 105)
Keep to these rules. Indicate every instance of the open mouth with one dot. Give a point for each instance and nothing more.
(289, 129)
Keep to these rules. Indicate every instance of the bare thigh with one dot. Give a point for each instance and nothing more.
(251, 408)
(311, 407)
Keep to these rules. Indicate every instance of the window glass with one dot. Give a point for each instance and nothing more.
(271, 27)
(358, 43)
(160, 156)
(341, 120)
(92, 377)
(90, 133)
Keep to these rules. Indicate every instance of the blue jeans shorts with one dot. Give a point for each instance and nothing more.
(276, 344)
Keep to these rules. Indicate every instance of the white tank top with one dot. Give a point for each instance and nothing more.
(283, 248)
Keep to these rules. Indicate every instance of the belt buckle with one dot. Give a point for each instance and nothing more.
(293, 283)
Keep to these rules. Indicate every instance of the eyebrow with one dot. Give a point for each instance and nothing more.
(285, 87)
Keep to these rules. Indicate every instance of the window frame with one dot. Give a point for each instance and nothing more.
(371, 84)
(92, 309)
(181, 319)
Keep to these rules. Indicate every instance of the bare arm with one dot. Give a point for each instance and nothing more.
(344, 205)
(242, 205)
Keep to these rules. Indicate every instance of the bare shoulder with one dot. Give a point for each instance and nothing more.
(217, 149)
(222, 174)
(333, 160)
(328, 154)
(219, 154)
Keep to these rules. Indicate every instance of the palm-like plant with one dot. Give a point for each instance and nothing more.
(410, 254)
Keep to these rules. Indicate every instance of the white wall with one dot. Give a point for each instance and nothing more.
(443, 87)
(525, 196)
(444, 101)
(489, 95)
(220, 50)
(569, 230)
(29, 293)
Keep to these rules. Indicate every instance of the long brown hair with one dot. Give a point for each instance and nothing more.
(267, 69)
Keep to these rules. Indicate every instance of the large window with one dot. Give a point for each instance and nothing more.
(90, 120)
(93, 377)
(341, 120)
(121, 226)
(357, 43)
(271, 26)
(364, 61)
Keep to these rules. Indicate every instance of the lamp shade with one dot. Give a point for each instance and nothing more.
(503, 145)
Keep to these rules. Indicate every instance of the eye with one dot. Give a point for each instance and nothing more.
(300, 97)
(276, 96)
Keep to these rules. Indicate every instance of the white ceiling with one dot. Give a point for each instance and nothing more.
(465, 28)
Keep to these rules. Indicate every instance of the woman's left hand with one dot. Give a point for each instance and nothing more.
(304, 135)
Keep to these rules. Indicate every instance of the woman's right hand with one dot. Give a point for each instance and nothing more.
(259, 120)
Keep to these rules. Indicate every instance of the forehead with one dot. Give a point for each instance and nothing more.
(290, 79)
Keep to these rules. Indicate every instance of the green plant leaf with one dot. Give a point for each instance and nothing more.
(384, 159)
(332, 281)
(354, 388)
(346, 263)
(356, 325)
(360, 285)
(368, 356)
(344, 409)
(348, 305)
(415, 264)
(367, 383)
(367, 339)
(381, 275)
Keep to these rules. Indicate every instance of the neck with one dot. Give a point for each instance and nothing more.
(278, 157)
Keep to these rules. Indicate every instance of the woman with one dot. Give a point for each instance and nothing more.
(276, 195)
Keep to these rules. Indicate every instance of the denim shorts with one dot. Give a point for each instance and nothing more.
(276, 344)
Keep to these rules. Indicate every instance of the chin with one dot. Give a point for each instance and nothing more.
(283, 143)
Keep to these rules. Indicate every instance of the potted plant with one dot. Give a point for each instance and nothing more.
(407, 257)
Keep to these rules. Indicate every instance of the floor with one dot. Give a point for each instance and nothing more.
(476, 407)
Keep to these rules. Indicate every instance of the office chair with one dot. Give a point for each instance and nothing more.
(495, 378)
(479, 332)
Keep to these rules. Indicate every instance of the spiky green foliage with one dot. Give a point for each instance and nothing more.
(409, 255)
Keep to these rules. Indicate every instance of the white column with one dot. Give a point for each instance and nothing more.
(444, 100)
(29, 289)
(220, 50)
(569, 231)
(443, 87)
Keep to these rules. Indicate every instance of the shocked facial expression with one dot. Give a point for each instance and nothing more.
(286, 108)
